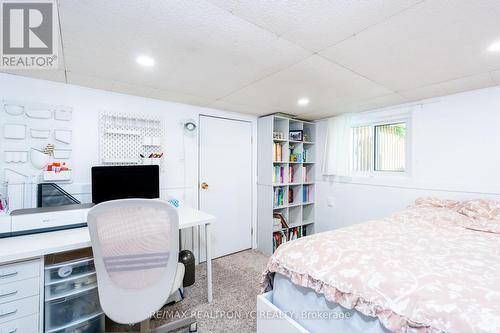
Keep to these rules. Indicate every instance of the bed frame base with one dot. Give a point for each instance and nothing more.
(270, 319)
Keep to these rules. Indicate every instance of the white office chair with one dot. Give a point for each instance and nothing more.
(135, 244)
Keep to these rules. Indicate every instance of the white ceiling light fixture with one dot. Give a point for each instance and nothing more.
(494, 47)
(145, 61)
(303, 101)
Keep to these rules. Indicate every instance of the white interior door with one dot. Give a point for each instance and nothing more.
(226, 182)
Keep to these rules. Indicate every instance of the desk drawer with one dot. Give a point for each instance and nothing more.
(19, 289)
(28, 324)
(19, 271)
(18, 309)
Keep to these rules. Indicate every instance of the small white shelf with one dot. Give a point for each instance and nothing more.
(52, 176)
(127, 160)
(122, 132)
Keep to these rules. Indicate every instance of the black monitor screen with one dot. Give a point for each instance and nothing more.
(125, 182)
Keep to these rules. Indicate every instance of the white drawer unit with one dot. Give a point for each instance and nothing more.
(71, 298)
(19, 289)
(28, 324)
(19, 308)
(19, 271)
(20, 297)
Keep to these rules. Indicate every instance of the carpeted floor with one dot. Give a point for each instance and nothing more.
(235, 287)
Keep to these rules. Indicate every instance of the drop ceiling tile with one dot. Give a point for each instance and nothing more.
(450, 87)
(316, 24)
(432, 42)
(375, 103)
(260, 111)
(495, 76)
(55, 74)
(133, 89)
(200, 49)
(327, 85)
(44, 74)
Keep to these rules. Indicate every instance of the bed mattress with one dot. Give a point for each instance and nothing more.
(316, 314)
(430, 268)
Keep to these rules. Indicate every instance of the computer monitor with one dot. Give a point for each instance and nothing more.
(125, 182)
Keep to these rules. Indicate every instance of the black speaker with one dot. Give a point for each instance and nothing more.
(187, 258)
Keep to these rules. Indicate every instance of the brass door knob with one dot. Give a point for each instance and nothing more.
(204, 185)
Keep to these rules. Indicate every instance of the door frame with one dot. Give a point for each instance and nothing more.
(252, 120)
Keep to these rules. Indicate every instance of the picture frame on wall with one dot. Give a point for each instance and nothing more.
(296, 135)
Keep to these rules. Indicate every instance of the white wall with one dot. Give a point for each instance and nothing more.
(180, 175)
(455, 143)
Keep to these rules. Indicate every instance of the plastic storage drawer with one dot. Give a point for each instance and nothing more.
(94, 324)
(70, 286)
(63, 271)
(69, 310)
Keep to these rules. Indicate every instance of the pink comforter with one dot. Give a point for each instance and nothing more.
(434, 267)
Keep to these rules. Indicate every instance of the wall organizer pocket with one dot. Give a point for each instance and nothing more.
(16, 156)
(62, 153)
(64, 115)
(63, 136)
(40, 133)
(39, 160)
(14, 131)
(13, 109)
(39, 113)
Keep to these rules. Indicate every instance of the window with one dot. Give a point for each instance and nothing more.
(379, 147)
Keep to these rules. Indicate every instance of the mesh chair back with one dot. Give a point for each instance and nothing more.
(135, 245)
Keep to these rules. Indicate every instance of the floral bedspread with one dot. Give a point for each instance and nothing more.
(434, 267)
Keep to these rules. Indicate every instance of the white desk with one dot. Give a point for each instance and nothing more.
(37, 245)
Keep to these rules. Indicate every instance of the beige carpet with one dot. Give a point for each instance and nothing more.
(235, 287)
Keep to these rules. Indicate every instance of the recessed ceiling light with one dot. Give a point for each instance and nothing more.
(145, 61)
(495, 47)
(303, 101)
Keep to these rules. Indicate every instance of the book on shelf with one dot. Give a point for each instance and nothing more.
(306, 193)
(304, 174)
(291, 174)
(278, 150)
(290, 195)
(279, 174)
(279, 197)
(283, 236)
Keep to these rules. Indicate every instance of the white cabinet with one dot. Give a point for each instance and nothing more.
(20, 297)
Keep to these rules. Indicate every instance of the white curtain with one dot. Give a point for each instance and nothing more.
(337, 146)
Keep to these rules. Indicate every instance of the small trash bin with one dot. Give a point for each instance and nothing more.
(187, 258)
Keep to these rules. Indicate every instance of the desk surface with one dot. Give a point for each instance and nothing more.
(37, 245)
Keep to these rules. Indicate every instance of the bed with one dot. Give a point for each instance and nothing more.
(434, 267)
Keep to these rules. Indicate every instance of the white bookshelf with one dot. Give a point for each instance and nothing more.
(299, 213)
